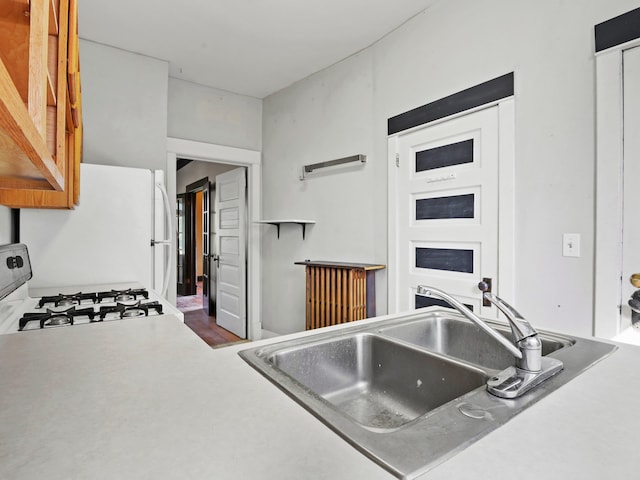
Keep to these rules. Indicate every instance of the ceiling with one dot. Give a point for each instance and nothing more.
(250, 47)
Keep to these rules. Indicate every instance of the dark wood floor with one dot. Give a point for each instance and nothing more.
(206, 328)
(203, 325)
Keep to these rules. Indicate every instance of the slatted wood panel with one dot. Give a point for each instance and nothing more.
(338, 293)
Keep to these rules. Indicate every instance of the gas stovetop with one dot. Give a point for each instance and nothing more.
(73, 306)
(79, 308)
(23, 308)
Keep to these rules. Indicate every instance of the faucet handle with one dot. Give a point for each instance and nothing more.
(519, 326)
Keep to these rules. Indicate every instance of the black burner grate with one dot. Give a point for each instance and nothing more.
(123, 295)
(61, 300)
(135, 309)
(52, 318)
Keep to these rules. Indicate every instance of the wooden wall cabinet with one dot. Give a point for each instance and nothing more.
(40, 104)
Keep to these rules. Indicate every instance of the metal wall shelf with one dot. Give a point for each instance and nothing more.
(277, 223)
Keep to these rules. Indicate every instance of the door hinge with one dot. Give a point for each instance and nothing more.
(397, 160)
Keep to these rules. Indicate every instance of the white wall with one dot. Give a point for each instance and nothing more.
(5, 225)
(452, 46)
(214, 116)
(330, 115)
(124, 107)
(130, 106)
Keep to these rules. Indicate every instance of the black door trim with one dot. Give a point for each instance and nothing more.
(199, 185)
(15, 225)
(188, 286)
(618, 30)
(487, 92)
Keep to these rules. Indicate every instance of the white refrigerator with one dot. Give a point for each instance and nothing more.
(109, 238)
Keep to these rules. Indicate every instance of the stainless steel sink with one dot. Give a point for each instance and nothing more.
(410, 392)
(465, 340)
(377, 382)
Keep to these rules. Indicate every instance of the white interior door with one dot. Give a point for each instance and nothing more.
(230, 218)
(631, 178)
(447, 210)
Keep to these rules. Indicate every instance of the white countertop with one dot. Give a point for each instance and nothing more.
(630, 335)
(147, 399)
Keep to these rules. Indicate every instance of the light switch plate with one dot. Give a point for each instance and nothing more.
(571, 245)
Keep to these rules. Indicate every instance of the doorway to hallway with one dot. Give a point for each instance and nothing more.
(178, 148)
(197, 251)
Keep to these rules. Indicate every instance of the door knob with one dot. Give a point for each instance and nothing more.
(635, 280)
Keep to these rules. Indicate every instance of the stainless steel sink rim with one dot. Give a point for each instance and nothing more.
(443, 431)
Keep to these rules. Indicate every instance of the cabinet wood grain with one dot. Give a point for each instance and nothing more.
(40, 127)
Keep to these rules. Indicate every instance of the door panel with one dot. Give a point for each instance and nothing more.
(206, 251)
(230, 237)
(447, 209)
(449, 155)
(445, 259)
(631, 171)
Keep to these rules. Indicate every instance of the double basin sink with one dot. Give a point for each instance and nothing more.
(410, 392)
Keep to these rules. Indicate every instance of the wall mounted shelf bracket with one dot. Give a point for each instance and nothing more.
(277, 223)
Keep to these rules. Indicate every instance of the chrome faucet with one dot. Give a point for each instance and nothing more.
(525, 337)
(530, 368)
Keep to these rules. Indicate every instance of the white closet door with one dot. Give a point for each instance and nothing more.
(447, 210)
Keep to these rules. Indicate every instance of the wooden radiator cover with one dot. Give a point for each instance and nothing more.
(339, 292)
